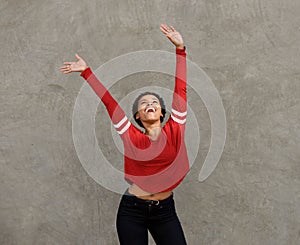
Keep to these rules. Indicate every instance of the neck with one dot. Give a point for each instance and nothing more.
(153, 130)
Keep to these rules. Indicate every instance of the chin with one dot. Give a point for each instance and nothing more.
(152, 120)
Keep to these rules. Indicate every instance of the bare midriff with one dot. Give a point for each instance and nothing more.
(140, 193)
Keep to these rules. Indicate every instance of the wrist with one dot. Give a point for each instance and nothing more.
(180, 47)
(86, 72)
(84, 68)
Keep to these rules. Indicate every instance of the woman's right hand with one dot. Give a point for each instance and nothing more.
(78, 66)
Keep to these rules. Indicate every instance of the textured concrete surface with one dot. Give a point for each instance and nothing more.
(251, 51)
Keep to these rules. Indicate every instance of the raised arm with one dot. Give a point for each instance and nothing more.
(179, 103)
(116, 113)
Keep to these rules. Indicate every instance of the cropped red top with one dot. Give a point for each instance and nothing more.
(153, 165)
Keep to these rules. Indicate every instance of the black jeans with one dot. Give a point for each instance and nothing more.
(136, 216)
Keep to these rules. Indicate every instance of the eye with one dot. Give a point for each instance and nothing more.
(155, 102)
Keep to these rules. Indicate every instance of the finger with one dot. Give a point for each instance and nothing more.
(65, 69)
(163, 30)
(168, 28)
(165, 27)
(66, 72)
(172, 28)
(162, 25)
(65, 66)
(68, 63)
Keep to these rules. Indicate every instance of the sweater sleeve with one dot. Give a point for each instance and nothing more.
(116, 113)
(179, 104)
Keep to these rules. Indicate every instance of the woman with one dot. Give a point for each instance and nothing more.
(155, 161)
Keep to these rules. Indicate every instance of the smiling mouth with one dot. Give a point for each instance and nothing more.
(150, 109)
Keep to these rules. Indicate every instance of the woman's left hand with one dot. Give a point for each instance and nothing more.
(173, 35)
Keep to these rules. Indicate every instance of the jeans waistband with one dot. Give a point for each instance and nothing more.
(130, 197)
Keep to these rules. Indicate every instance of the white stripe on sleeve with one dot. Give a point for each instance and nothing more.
(119, 124)
(178, 120)
(123, 130)
(181, 114)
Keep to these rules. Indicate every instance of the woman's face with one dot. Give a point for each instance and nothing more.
(149, 109)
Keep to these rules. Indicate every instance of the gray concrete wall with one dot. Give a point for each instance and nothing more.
(250, 50)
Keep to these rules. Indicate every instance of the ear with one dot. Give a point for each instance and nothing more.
(161, 114)
(137, 116)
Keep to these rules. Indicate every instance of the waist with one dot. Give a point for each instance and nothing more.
(136, 191)
(132, 198)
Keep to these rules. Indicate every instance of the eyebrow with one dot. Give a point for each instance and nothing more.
(147, 100)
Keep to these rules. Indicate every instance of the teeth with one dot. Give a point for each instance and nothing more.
(150, 109)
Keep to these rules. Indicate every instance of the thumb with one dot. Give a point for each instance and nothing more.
(77, 56)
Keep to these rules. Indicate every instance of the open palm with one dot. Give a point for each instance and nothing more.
(71, 66)
(173, 35)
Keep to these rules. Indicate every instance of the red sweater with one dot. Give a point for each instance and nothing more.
(155, 166)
